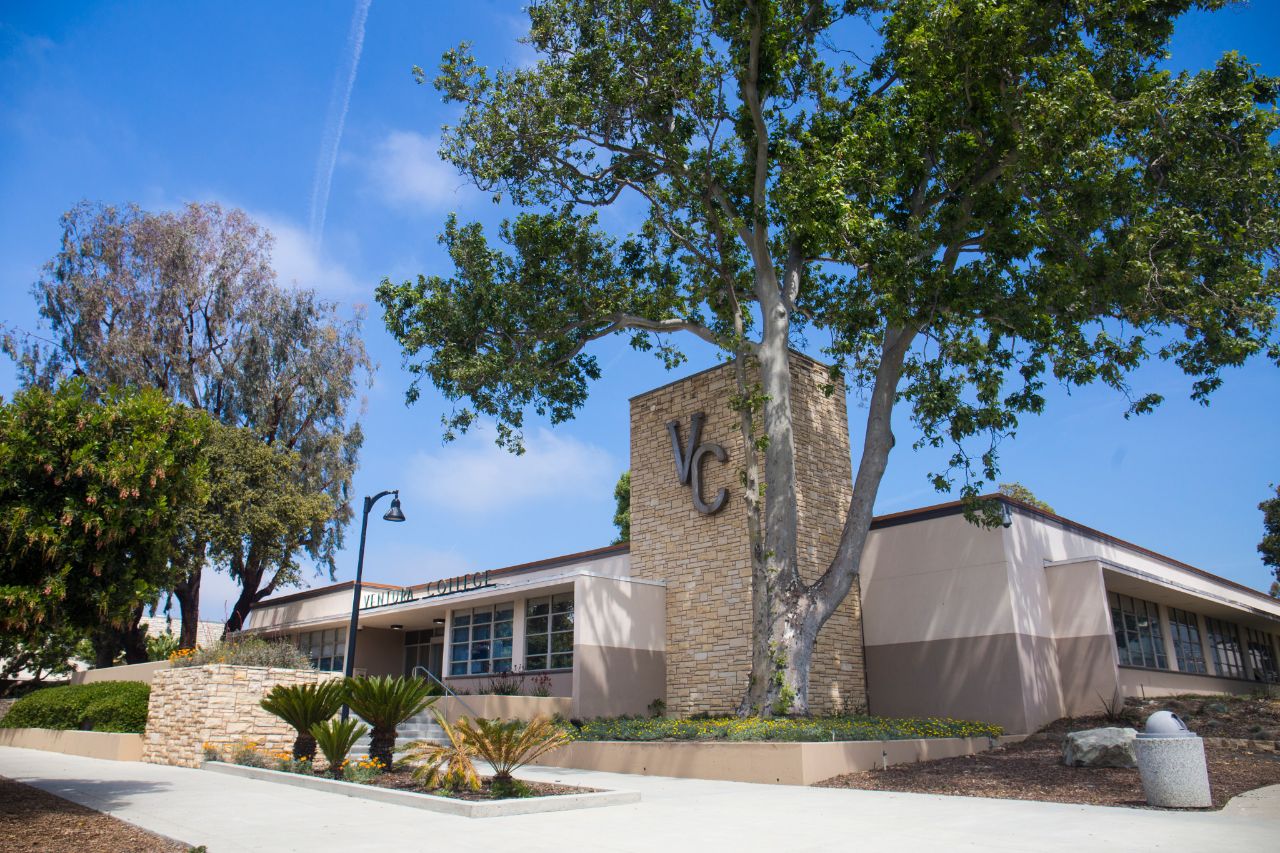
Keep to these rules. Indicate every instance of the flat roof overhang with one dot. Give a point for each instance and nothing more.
(1223, 604)
(422, 612)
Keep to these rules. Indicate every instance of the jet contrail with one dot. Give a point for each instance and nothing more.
(339, 101)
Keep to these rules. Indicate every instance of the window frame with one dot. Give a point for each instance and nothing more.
(1188, 645)
(1222, 650)
(314, 643)
(1148, 638)
(1259, 645)
(551, 634)
(464, 620)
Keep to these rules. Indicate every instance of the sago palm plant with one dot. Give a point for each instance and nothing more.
(448, 764)
(384, 703)
(302, 706)
(510, 745)
(336, 737)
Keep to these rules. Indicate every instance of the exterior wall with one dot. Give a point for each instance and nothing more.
(144, 672)
(379, 651)
(503, 707)
(704, 560)
(619, 647)
(297, 612)
(1136, 681)
(1083, 642)
(561, 683)
(217, 704)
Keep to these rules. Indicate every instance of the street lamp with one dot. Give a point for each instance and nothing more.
(393, 514)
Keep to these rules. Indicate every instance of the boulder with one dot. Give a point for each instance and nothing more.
(1109, 747)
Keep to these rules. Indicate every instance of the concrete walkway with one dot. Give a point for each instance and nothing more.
(231, 815)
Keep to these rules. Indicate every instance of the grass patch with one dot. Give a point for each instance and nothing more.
(784, 729)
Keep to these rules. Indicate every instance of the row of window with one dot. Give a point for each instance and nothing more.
(1139, 641)
(481, 642)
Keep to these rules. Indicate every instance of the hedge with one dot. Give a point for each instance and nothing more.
(777, 729)
(104, 706)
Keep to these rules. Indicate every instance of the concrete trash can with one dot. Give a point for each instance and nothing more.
(1171, 764)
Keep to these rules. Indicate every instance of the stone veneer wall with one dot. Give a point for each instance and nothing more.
(704, 560)
(217, 704)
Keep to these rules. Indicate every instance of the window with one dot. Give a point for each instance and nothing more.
(1137, 626)
(1225, 643)
(1261, 655)
(548, 629)
(1186, 640)
(417, 650)
(327, 650)
(481, 641)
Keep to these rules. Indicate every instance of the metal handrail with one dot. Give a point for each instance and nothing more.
(448, 691)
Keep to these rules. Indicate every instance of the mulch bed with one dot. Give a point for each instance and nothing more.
(1033, 770)
(35, 820)
(402, 780)
(1242, 717)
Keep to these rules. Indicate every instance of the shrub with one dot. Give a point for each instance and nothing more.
(245, 651)
(363, 770)
(302, 706)
(852, 728)
(335, 739)
(448, 764)
(509, 745)
(105, 706)
(246, 754)
(384, 703)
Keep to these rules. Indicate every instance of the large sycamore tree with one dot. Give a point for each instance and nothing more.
(187, 302)
(964, 200)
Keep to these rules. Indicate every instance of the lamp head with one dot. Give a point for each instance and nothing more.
(394, 514)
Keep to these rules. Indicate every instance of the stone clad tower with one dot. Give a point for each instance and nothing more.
(704, 560)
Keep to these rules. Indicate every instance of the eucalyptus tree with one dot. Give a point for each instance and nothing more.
(187, 302)
(1269, 547)
(964, 200)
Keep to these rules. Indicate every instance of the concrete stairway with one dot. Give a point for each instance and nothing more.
(420, 727)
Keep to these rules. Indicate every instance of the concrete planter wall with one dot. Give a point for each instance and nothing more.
(109, 745)
(216, 704)
(504, 707)
(144, 672)
(770, 763)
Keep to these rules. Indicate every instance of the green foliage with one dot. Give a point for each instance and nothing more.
(449, 765)
(247, 651)
(1019, 492)
(384, 703)
(1269, 547)
(622, 515)
(335, 738)
(777, 729)
(51, 653)
(508, 745)
(91, 491)
(187, 302)
(303, 706)
(161, 646)
(104, 706)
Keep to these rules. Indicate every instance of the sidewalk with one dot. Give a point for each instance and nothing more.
(230, 815)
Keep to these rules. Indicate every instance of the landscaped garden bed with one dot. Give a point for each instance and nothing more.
(1033, 769)
(780, 729)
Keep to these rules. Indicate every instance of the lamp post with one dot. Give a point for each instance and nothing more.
(393, 514)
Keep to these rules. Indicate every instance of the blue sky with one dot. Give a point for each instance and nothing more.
(164, 103)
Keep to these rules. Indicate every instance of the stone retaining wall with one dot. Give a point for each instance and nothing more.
(216, 704)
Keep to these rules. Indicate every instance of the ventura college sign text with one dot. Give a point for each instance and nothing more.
(689, 463)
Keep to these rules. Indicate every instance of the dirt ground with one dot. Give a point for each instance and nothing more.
(1033, 770)
(33, 820)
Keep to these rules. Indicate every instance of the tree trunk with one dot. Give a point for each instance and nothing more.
(304, 746)
(134, 639)
(788, 613)
(381, 744)
(187, 591)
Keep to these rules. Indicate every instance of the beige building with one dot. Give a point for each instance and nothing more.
(1018, 625)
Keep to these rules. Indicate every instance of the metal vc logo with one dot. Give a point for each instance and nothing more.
(689, 462)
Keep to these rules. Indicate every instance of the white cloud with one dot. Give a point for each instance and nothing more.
(301, 263)
(408, 172)
(474, 475)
